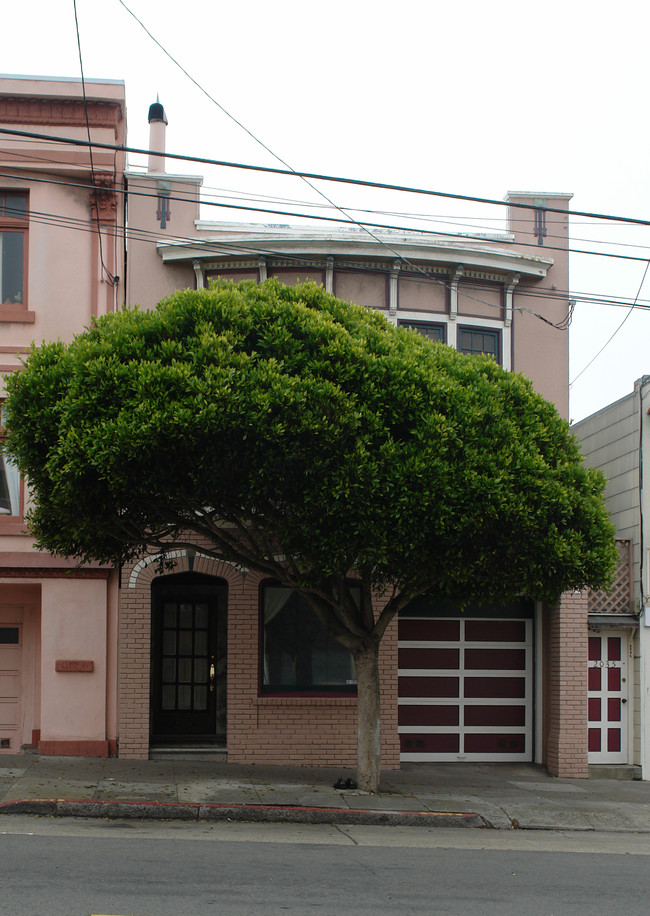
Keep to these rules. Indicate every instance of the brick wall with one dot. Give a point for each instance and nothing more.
(261, 729)
(566, 687)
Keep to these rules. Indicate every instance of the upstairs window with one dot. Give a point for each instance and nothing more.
(10, 482)
(13, 248)
(428, 329)
(298, 654)
(474, 341)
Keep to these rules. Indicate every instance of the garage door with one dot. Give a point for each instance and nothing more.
(465, 689)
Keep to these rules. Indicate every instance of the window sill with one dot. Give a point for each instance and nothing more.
(16, 313)
(12, 524)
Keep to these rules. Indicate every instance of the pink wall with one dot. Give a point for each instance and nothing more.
(73, 628)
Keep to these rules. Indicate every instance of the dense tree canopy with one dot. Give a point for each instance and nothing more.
(309, 439)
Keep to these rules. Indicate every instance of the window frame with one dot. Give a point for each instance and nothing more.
(416, 325)
(294, 690)
(478, 329)
(11, 524)
(16, 225)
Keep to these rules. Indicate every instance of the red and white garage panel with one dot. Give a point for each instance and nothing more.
(465, 689)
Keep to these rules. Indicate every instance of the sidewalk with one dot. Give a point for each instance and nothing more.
(502, 796)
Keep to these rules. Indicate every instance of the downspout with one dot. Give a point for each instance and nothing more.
(125, 217)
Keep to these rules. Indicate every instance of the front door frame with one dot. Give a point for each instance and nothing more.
(200, 717)
(609, 697)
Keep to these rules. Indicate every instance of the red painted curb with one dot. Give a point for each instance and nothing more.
(67, 807)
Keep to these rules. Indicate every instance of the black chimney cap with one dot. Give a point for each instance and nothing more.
(157, 113)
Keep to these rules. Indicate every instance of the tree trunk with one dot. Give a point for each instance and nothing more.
(369, 725)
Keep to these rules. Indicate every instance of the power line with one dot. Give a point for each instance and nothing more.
(105, 270)
(382, 186)
(614, 333)
(332, 219)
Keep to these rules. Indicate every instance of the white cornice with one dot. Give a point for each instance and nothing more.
(346, 244)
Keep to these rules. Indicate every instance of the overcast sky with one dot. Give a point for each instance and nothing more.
(470, 98)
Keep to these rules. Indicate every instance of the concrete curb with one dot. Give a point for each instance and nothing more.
(277, 814)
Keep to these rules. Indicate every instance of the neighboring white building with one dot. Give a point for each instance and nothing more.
(616, 440)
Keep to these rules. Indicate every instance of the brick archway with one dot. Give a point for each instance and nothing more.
(135, 638)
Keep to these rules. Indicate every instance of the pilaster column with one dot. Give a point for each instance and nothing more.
(453, 293)
(566, 686)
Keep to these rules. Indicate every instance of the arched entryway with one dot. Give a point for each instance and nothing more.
(188, 659)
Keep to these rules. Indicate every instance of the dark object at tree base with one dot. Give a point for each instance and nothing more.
(345, 784)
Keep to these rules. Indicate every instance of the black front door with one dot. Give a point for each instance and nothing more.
(189, 658)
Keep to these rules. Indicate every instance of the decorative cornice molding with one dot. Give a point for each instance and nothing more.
(103, 199)
(17, 110)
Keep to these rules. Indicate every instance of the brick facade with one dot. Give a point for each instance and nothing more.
(566, 686)
(261, 728)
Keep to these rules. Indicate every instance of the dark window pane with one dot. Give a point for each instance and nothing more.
(435, 332)
(200, 698)
(169, 642)
(297, 651)
(14, 205)
(169, 670)
(473, 341)
(185, 642)
(201, 616)
(200, 642)
(8, 636)
(11, 267)
(184, 697)
(169, 698)
(185, 616)
(185, 670)
(169, 618)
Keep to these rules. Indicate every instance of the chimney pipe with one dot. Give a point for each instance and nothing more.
(157, 129)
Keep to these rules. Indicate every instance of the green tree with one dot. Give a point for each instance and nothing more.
(308, 439)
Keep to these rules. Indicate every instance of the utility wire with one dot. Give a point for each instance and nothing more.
(382, 186)
(264, 146)
(462, 236)
(614, 333)
(105, 270)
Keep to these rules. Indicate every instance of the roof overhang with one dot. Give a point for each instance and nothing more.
(494, 254)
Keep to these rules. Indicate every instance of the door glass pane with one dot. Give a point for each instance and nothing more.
(169, 642)
(201, 616)
(185, 616)
(168, 697)
(185, 642)
(184, 670)
(184, 697)
(200, 698)
(169, 616)
(169, 670)
(201, 642)
(200, 670)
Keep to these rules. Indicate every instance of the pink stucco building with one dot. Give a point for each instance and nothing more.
(93, 663)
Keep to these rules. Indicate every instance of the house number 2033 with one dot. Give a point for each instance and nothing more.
(602, 664)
